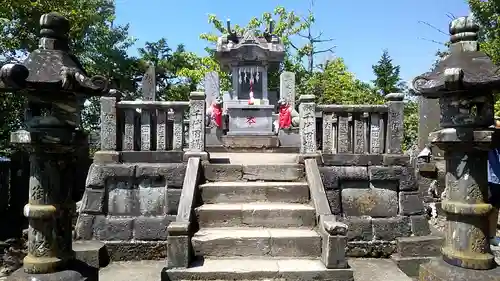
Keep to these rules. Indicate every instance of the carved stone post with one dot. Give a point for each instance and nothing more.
(464, 83)
(197, 111)
(307, 128)
(56, 87)
(395, 129)
(108, 153)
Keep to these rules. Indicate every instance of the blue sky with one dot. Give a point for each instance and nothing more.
(361, 29)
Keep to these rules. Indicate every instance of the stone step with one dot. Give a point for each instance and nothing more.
(258, 269)
(377, 270)
(244, 192)
(254, 172)
(419, 246)
(270, 242)
(256, 215)
(410, 265)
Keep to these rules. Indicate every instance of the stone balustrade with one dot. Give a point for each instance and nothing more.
(135, 130)
(363, 129)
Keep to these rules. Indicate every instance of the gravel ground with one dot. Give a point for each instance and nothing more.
(13, 251)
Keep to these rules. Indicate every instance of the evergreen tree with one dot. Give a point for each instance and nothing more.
(387, 79)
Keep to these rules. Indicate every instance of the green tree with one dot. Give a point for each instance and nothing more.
(95, 39)
(335, 84)
(387, 79)
(487, 14)
(168, 63)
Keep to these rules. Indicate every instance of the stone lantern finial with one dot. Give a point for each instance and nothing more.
(464, 34)
(54, 32)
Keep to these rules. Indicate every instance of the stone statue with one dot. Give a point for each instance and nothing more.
(214, 114)
(288, 116)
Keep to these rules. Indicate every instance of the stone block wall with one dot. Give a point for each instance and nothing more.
(129, 206)
(377, 197)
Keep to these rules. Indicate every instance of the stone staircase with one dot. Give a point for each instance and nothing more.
(256, 223)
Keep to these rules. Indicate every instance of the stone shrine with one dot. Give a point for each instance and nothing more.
(172, 211)
(248, 57)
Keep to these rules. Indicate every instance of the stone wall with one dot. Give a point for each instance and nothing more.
(377, 197)
(129, 206)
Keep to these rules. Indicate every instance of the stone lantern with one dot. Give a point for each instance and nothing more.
(465, 83)
(56, 86)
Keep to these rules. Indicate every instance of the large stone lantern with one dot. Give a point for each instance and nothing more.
(56, 86)
(465, 83)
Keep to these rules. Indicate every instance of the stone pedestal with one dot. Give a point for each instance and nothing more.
(256, 120)
(49, 211)
(439, 270)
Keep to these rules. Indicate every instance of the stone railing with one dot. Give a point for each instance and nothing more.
(134, 129)
(354, 129)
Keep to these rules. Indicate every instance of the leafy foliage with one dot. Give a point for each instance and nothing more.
(387, 78)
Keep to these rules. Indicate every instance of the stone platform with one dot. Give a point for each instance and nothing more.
(250, 141)
(364, 270)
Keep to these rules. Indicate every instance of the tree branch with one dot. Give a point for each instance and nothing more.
(324, 51)
(321, 40)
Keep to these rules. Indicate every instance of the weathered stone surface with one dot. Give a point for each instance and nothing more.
(360, 228)
(405, 175)
(223, 172)
(152, 228)
(109, 228)
(395, 129)
(232, 242)
(419, 246)
(377, 270)
(92, 253)
(98, 174)
(136, 251)
(123, 202)
(329, 177)
(152, 199)
(241, 192)
(356, 184)
(334, 199)
(410, 203)
(258, 214)
(178, 251)
(396, 160)
(173, 197)
(353, 173)
(388, 229)
(273, 172)
(439, 270)
(159, 157)
(419, 225)
(84, 228)
(250, 142)
(352, 159)
(173, 173)
(410, 265)
(259, 269)
(334, 254)
(335, 227)
(93, 201)
(370, 249)
(375, 202)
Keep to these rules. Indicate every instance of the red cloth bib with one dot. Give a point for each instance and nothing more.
(285, 117)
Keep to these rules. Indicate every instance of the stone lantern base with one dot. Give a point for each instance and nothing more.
(65, 275)
(439, 270)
